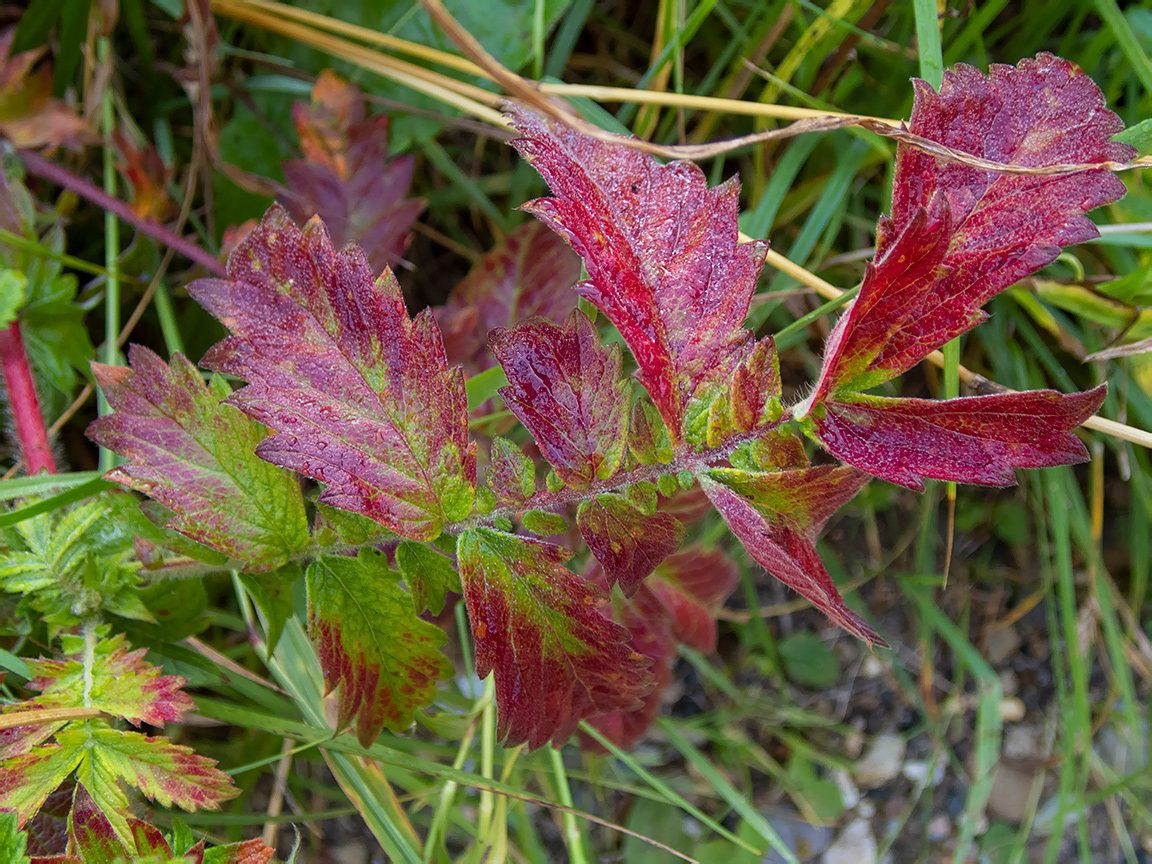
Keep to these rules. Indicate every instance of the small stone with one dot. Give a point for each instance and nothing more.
(353, 852)
(1000, 643)
(849, 794)
(1024, 741)
(939, 829)
(853, 743)
(1012, 710)
(871, 667)
(855, 846)
(917, 769)
(1010, 790)
(882, 762)
(1009, 683)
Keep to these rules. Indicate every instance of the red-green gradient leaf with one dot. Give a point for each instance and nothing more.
(122, 684)
(196, 457)
(360, 397)
(529, 274)
(977, 439)
(662, 254)
(253, 851)
(542, 629)
(27, 780)
(511, 474)
(565, 387)
(627, 543)
(787, 554)
(347, 178)
(169, 774)
(959, 235)
(92, 832)
(383, 658)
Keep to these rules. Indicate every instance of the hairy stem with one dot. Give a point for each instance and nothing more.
(24, 403)
(50, 171)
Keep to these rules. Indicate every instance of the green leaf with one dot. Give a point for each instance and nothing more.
(12, 285)
(428, 574)
(543, 524)
(272, 594)
(371, 645)
(1138, 136)
(12, 840)
(809, 661)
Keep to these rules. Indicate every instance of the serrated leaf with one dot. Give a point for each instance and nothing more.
(541, 629)
(543, 523)
(121, 684)
(528, 274)
(662, 254)
(371, 645)
(347, 178)
(428, 574)
(169, 774)
(13, 841)
(626, 542)
(787, 554)
(692, 585)
(360, 397)
(511, 474)
(959, 235)
(253, 851)
(27, 780)
(12, 287)
(195, 456)
(565, 387)
(92, 833)
(976, 439)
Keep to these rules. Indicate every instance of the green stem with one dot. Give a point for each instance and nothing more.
(111, 248)
(574, 840)
(817, 313)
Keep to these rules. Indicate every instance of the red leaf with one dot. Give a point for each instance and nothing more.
(627, 543)
(528, 274)
(662, 252)
(959, 235)
(361, 397)
(565, 387)
(541, 628)
(347, 179)
(195, 456)
(788, 555)
(149, 177)
(384, 659)
(253, 851)
(977, 439)
(29, 116)
(692, 585)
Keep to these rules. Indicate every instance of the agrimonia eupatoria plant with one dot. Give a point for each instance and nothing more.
(345, 388)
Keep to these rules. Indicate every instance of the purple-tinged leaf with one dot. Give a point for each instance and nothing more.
(788, 555)
(976, 439)
(383, 658)
(121, 684)
(92, 833)
(542, 629)
(663, 257)
(529, 274)
(347, 178)
(565, 387)
(802, 500)
(959, 235)
(627, 543)
(511, 474)
(360, 397)
(195, 456)
(648, 436)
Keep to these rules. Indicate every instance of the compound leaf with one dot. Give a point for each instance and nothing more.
(565, 387)
(542, 629)
(429, 575)
(528, 274)
(773, 540)
(976, 439)
(359, 396)
(511, 474)
(28, 779)
(626, 542)
(196, 456)
(383, 658)
(663, 257)
(346, 177)
(959, 235)
(692, 585)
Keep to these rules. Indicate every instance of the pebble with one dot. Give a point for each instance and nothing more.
(871, 667)
(917, 769)
(1010, 790)
(939, 829)
(882, 762)
(855, 846)
(1009, 683)
(1000, 643)
(1012, 710)
(1024, 741)
(354, 852)
(849, 794)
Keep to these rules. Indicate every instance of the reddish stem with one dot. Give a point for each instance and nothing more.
(23, 402)
(39, 166)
